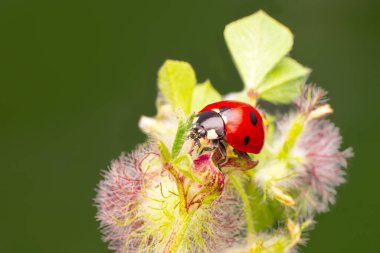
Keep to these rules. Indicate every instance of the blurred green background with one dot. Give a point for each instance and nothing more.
(75, 76)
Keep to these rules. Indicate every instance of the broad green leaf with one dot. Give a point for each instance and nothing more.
(183, 127)
(164, 151)
(176, 81)
(283, 83)
(203, 95)
(184, 164)
(257, 43)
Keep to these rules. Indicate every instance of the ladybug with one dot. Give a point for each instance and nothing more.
(233, 122)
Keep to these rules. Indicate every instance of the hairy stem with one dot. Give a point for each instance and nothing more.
(180, 188)
(246, 204)
(177, 233)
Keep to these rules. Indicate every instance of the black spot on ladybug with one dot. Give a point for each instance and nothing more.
(224, 108)
(246, 140)
(253, 118)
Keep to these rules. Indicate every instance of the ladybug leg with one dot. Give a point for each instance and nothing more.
(243, 155)
(214, 146)
(223, 151)
(209, 148)
(199, 145)
(197, 142)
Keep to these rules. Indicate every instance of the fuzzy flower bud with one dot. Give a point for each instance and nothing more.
(119, 196)
(138, 206)
(321, 169)
(308, 162)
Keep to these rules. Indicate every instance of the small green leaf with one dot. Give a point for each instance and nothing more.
(176, 81)
(204, 94)
(183, 127)
(257, 43)
(184, 164)
(164, 151)
(283, 83)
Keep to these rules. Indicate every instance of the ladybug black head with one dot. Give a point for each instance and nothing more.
(209, 125)
(197, 131)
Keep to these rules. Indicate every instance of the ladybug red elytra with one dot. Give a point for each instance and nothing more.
(237, 123)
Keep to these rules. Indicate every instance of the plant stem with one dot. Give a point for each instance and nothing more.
(177, 233)
(180, 188)
(247, 207)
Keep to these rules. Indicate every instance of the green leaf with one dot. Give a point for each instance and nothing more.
(283, 83)
(183, 127)
(164, 151)
(292, 134)
(176, 81)
(203, 95)
(257, 43)
(184, 164)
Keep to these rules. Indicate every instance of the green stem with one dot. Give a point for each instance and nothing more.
(246, 205)
(177, 233)
(180, 188)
